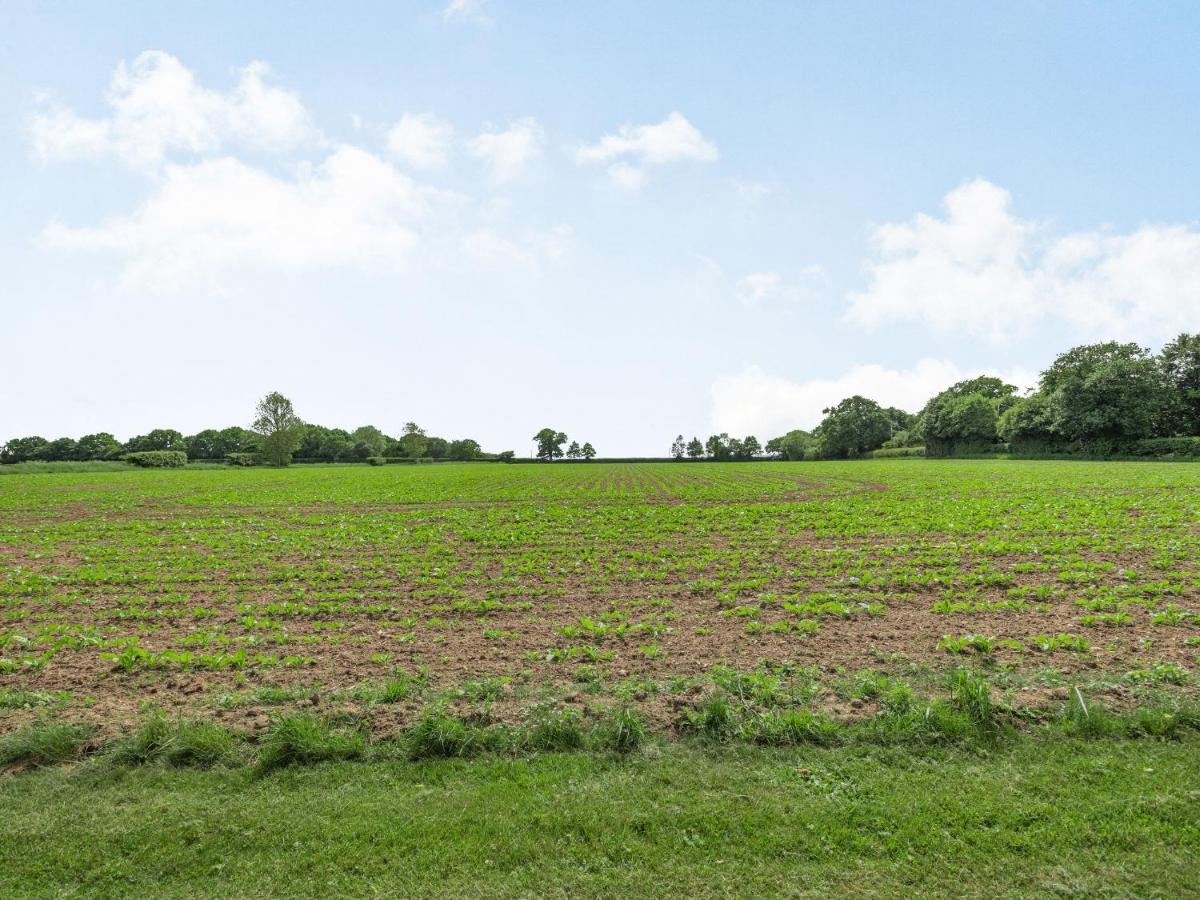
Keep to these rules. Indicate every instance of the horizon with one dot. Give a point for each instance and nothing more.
(624, 223)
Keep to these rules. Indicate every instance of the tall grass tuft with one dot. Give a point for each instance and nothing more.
(304, 739)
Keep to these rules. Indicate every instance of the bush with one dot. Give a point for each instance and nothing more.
(242, 459)
(158, 459)
(377, 460)
(896, 452)
(1168, 448)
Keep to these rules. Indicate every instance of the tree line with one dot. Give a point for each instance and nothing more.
(277, 435)
(1106, 399)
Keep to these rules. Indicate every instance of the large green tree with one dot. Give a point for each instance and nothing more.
(1106, 394)
(549, 444)
(1180, 360)
(279, 429)
(413, 442)
(965, 415)
(853, 427)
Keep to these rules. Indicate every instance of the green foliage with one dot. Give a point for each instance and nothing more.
(621, 729)
(280, 431)
(549, 444)
(554, 728)
(196, 744)
(963, 418)
(854, 427)
(158, 459)
(437, 734)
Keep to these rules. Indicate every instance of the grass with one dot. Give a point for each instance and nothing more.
(1031, 818)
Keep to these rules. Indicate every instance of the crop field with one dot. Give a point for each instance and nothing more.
(488, 591)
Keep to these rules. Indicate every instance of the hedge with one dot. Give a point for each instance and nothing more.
(157, 459)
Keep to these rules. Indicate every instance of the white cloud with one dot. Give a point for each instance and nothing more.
(758, 288)
(983, 271)
(507, 152)
(421, 140)
(352, 209)
(473, 11)
(752, 190)
(755, 402)
(627, 177)
(158, 108)
(674, 139)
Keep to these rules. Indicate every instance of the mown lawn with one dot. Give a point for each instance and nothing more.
(1029, 818)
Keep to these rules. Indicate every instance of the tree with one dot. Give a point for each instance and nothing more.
(465, 449)
(1103, 395)
(718, 446)
(794, 445)
(587, 451)
(100, 445)
(750, 447)
(438, 448)
(23, 449)
(1027, 424)
(1180, 361)
(965, 415)
(60, 450)
(695, 449)
(413, 442)
(573, 452)
(372, 439)
(678, 447)
(549, 444)
(158, 439)
(853, 427)
(279, 429)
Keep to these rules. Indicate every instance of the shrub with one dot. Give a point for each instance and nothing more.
(158, 459)
(377, 460)
(1167, 448)
(242, 459)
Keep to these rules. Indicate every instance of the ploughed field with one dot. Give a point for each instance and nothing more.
(489, 589)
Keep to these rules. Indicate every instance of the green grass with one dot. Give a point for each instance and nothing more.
(1103, 818)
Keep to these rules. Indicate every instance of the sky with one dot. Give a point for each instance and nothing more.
(623, 220)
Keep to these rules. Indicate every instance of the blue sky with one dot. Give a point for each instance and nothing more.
(624, 220)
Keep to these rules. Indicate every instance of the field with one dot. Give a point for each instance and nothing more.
(235, 593)
(856, 634)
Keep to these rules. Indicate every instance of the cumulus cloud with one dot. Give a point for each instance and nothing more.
(421, 140)
(473, 11)
(674, 139)
(157, 108)
(528, 253)
(507, 152)
(756, 402)
(984, 271)
(758, 288)
(352, 209)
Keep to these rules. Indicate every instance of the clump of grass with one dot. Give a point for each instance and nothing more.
(622, 729)
(180, 744)
(554, 728)
(305, 739)
(436, 735)
(971, 696)
(714, 718)
(1088, 720)
(43, 744)
(794, 726)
